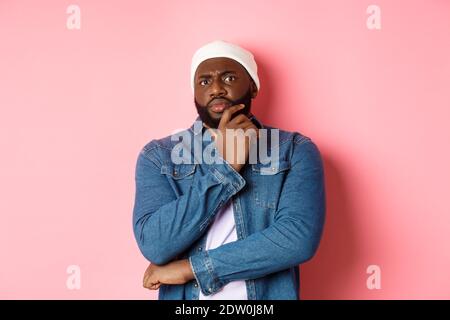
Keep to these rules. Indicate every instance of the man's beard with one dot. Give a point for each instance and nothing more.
(214, 123)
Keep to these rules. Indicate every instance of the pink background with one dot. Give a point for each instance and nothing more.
(77, 106)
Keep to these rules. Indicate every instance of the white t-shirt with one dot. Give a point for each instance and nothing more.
(223, 230)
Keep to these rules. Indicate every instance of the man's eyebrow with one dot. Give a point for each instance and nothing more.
(205, 75)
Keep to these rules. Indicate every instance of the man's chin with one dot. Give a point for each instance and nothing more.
(216, 116)
(211, 122)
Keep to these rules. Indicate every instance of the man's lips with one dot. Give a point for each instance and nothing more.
(219, 107)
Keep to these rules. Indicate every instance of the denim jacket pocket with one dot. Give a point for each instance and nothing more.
(178, 171)
(267, 181)
(180, 176)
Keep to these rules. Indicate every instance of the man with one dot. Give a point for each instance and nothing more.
(231, 228)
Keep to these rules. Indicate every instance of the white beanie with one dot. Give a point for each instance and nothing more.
(222, 49)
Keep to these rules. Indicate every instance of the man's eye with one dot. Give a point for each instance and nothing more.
(230, 78)
(203, 82)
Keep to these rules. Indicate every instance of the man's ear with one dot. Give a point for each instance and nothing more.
(254, 89)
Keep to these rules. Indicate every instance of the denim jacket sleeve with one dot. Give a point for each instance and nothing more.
(292, 238)
(165, 225)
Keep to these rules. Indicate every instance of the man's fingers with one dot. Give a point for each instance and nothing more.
(156, 286)
(248, 124)
(150, 283)
(153, 286)
(144, 281)
(238, 120)
(228, 113)
(242, 125)
(147, 274)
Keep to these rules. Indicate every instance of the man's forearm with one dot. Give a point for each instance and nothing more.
(175, 272)
(166, 225)
(187, 270)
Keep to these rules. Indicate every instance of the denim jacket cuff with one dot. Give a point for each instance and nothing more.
(225, 173)
(202, 268)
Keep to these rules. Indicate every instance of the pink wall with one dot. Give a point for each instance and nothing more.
(77, 106)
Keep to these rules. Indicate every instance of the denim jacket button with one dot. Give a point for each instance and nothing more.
(195, 284)
(199, 248)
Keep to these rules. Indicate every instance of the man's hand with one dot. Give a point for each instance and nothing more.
(175, 272)
(240, 155)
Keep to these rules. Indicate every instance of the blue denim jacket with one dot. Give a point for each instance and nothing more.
(279, 217)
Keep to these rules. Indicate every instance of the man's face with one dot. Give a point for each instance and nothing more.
(220, 83)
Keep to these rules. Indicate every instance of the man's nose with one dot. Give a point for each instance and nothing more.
(217, 90)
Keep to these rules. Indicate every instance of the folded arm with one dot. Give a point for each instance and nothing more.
(292, 239)
(165, 225)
